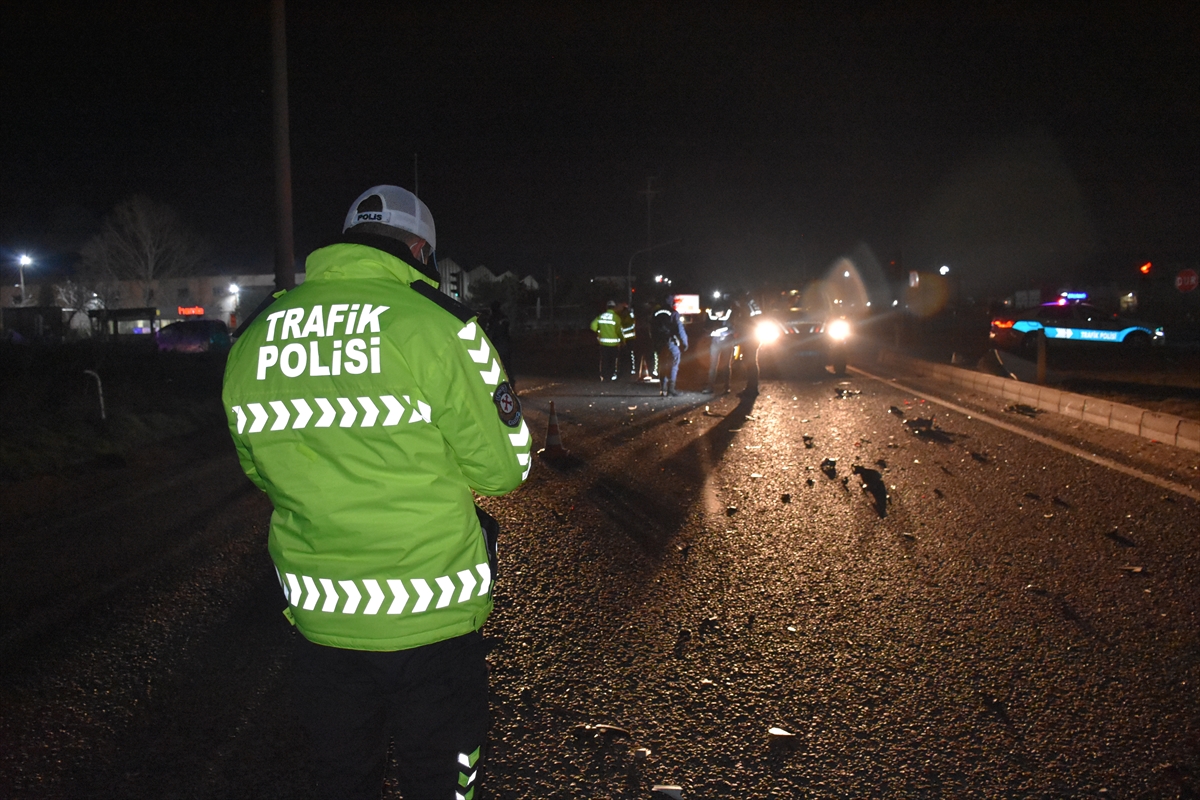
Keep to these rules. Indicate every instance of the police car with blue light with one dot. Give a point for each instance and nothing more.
(1069, 319)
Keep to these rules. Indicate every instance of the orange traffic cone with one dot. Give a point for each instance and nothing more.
(554, 447)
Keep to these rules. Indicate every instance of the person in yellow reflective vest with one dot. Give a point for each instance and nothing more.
(628, 340)
(372, 408)
(608, 334)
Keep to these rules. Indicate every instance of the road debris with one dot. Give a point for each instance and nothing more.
(1133, 569)
(641, 754)
(669, 791)
(808, 441)
(844, 392)
(730, 511)
(601, 730)
(996, 706)
(919, 424)
(872, 484)
(1119, 539)
(1023, 410)
(779, 732)
(829, 467)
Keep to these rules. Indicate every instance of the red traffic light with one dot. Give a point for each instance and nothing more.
(1145, 268)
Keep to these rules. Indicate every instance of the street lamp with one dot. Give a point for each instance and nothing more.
(23, 262)
(235, 295)
(629, 268)
(945, 270)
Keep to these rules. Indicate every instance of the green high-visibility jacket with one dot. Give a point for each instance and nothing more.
(608, 328)
(628, 325)
(368, 406)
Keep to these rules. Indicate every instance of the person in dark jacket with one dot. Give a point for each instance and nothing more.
(499, 331)
(670, 340)
(742, 320)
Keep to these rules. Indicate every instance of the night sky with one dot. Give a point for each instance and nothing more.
(1009, 143)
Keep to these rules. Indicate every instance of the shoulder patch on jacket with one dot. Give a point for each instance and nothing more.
(507, 404)
(442, 299)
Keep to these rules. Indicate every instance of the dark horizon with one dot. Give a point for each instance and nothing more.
(779, 137)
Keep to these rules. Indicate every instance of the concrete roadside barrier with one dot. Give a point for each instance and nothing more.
(1165, 428)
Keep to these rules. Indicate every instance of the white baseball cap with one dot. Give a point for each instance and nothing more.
(391, 205)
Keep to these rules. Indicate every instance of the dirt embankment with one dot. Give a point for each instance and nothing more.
(78, 407)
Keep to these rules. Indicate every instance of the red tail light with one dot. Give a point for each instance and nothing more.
(1003, 323)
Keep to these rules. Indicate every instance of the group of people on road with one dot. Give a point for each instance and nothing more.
(731, 329)
(616, 333)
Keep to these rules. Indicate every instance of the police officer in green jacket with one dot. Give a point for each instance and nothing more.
(371, 408)
(607, 327)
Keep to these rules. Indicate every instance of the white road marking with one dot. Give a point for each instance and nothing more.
(1163, 483)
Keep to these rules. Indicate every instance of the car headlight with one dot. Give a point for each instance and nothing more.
(767, 332)
(838, 330)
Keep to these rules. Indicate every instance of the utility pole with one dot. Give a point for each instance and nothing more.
(649, 239)
(285, 260)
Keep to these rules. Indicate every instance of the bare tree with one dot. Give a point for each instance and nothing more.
(142, 240)
(75, 296)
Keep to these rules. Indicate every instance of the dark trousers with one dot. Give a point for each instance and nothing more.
(749, 348)
(608, 361)
(668, 364)
(432, 701)
(720, 361)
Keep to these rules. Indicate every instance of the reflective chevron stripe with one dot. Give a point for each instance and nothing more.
(482, 354)
(468, 771)
(520, 440)
(326, 595)
(345, 413)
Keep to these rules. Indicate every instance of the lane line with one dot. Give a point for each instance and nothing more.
(1162, 483)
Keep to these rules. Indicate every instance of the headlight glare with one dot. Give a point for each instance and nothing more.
(839, 330)
(767, 332)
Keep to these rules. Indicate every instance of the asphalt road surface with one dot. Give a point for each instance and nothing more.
(920, 604)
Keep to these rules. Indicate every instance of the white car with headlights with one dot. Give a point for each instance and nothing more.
(794, 337)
